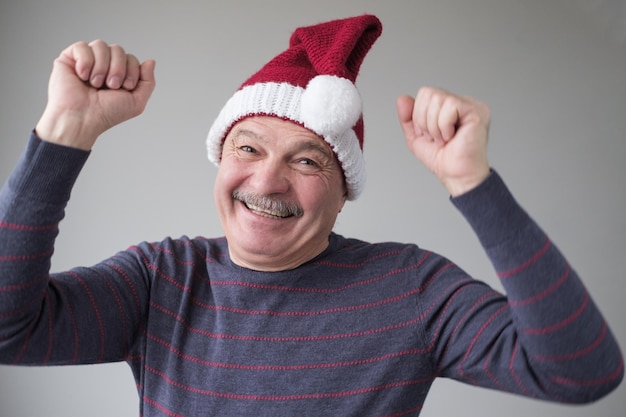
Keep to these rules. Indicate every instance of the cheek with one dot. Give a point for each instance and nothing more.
(327, 199)
(226, 180)
(229, 173)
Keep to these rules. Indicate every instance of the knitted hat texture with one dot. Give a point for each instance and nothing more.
(312, 83)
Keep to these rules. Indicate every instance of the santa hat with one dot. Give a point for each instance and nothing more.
(311, 84)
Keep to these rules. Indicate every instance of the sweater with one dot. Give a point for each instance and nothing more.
(360, 330)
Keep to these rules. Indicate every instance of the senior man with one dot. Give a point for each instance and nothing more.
(282, 316)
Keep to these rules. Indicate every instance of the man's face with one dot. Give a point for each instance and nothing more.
(278, 191)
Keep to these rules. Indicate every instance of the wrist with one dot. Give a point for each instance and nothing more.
(459, 186)
(65, 129)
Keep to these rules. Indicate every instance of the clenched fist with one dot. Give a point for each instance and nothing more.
(92, 88)
(448, 134)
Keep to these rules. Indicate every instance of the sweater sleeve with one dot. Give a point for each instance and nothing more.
(546, 338)
(85, 315)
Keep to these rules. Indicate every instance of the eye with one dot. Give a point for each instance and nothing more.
(247, 148)
(308, 162)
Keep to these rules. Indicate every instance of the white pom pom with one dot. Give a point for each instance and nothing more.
(330, 105)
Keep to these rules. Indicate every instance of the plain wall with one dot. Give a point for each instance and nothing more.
(553, 73)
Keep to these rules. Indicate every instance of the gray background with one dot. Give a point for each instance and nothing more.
(553, 72)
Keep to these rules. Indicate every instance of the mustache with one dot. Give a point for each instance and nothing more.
(274, 206)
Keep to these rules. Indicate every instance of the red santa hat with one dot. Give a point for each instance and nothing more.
(311, 84)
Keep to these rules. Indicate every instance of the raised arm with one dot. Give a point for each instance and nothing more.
(82, 315)
(547, 338)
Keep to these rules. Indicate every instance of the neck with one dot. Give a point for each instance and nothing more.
(264, 263)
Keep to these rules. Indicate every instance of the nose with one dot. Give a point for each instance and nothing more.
(271, 176)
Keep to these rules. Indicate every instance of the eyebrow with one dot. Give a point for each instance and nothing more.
(315, 145)
(245, 132)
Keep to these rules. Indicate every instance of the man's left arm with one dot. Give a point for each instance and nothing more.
(559, 340)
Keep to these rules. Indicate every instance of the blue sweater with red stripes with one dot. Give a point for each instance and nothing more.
(361, 330)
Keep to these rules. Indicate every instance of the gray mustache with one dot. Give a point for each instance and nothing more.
(283, 208)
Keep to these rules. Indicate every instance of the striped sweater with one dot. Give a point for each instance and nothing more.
(361, 330)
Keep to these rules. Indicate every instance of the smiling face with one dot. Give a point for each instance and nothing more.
(278, 191)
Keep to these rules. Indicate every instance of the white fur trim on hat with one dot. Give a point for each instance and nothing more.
(350, 156)
(275, 99)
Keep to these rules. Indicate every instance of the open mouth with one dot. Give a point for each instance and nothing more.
(268, 207)
(265, 212)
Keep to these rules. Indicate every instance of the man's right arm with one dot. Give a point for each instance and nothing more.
(92, 88)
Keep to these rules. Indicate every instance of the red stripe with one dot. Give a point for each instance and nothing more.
(590, 382)
(324, 290)
(70, 310)
(27, 228)
(319, 312)
(158, 248)
(160, 407)
(121, 311)
(532, 260)
(545, 293)
(477, 336)
(34, 304)
(516, 378)
(559, 325)
(96, 312)
(186, 288)
(293, 397)
(168, 278)
(25, 285)
(202, 255)
(361, 264)
(282, 339)
(131, 285)
(463, 318)
(497, 384)
(305, 313)
(22, 351)
(190, 358)
(19, 258)
(574, 355)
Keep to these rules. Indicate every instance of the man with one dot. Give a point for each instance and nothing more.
(283, 317)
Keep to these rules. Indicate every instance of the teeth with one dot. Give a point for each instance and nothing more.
(262, 210)
(267, 206)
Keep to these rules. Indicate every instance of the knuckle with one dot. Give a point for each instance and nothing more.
(97, 43)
